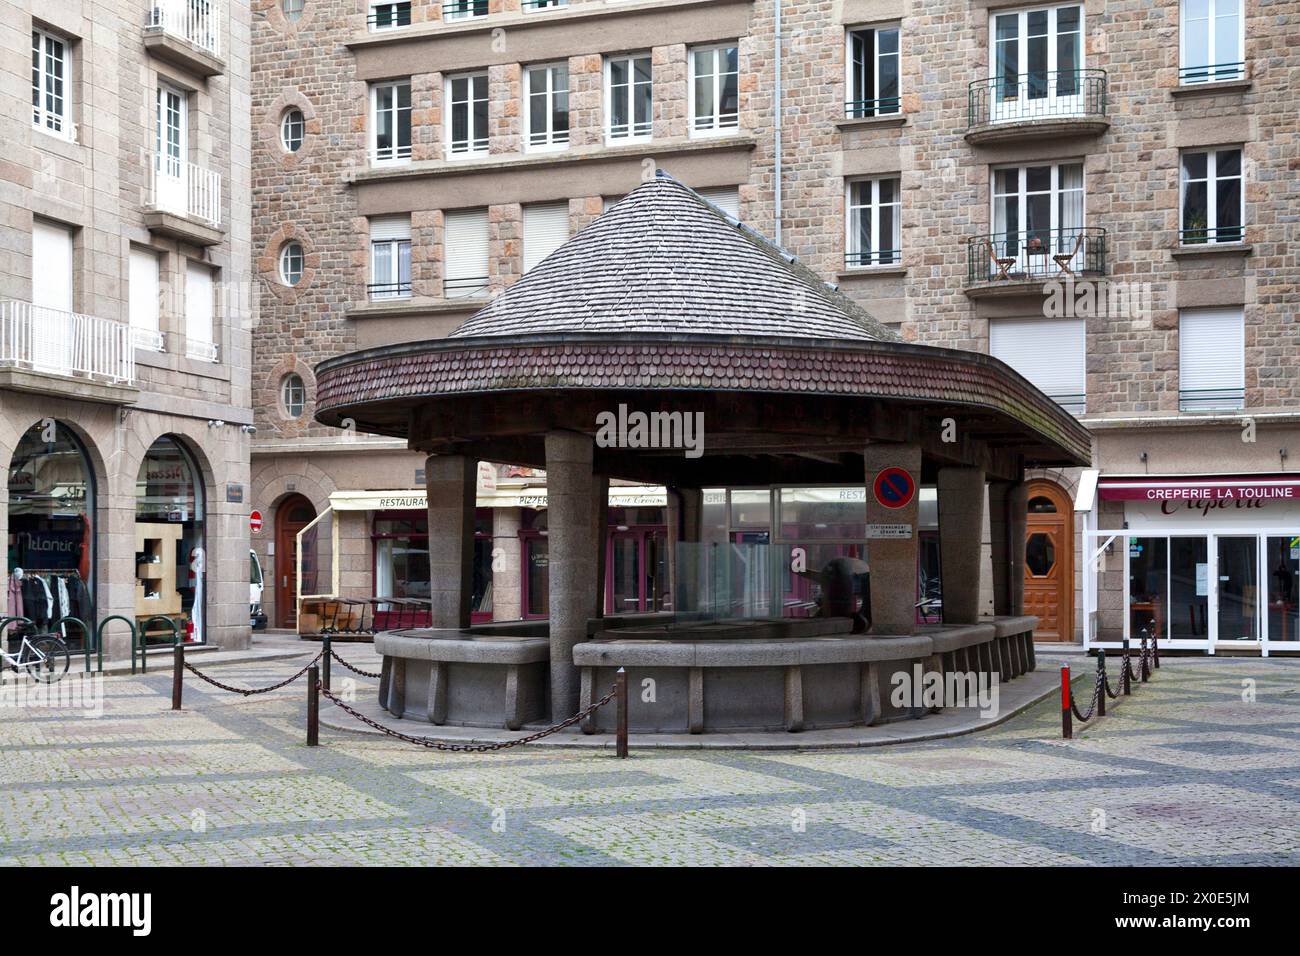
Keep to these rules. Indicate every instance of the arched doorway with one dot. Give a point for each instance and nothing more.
(171, 542)
(1049, 561)
(294, 513)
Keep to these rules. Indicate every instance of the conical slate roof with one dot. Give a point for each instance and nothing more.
(665, 260)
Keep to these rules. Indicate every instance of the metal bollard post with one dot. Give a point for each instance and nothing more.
(178, 673)
(1155, 651)
(325, 662)
(1101, 679)
(1146, 662)
(1124, 685)
(620, 686)
(313, 706)
(1067, 729)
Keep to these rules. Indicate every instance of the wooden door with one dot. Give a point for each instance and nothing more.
(1049, 561)
(294, 514)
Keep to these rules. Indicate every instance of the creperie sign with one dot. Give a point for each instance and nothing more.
(1204, 496)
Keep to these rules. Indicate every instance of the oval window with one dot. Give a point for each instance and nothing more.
(1040, 554)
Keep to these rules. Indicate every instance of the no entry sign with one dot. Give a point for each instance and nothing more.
(894, 487)
(255, 522)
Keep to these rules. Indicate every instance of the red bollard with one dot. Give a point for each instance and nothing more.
(1067, 728)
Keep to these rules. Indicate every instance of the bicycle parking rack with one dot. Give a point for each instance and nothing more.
(141, 638)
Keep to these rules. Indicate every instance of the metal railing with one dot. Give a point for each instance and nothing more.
(464, 287)
(56, 342)
(1034, 96)
(197, 22)
(862, 109)
(1075, 403)
(878, 257)
(1201, 235)
(1210, 399)
(1036, 254)
(149, 339)
(1213, 73)
(185, 189)
(201, 351)
(389, 16)
(464, 9)
(389, 290)
(542, 4)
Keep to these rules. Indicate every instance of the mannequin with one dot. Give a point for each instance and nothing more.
(16, 593)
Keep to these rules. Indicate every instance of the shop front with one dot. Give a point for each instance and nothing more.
(1202, 563)
(170, 544)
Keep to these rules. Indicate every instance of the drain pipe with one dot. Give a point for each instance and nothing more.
(777, 121)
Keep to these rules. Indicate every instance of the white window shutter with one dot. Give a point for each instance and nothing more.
(546, 228)
(465, 252)
(198, 303)
(387, 228)
(1211, 349)
(1051, 353)
(51, 266)
(726, 198)
(143, 290)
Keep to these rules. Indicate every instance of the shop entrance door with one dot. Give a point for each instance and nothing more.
(294, 514)
(1049, 550)
(1237, 590)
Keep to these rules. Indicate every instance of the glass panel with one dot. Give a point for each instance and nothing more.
(751, 509)
(823, 513)
(1040, 554)
(1008, 55)
(1188, 589)
(1282, 555)
(539, 577)
(1148, 586)
(831, 581)
(625, 573)
(1238, 589)
(481, 594)
(1041, 506)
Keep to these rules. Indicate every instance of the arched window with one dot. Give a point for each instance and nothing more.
(293, 128)
(291, 263)
(293, 395)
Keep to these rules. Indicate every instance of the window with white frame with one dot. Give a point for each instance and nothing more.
(1211, 359)
(1212, 41)
(1038, 215)
(465, 253)
(464, 9)
(292, 9)
(293, 395)
(546, 91)
(200, 312)
(1051, 353)
(715, 89)
(51, 79)
(292, 262)
(528, 5)
(1213, 202)
(390, 257)
(390, 107)
(1037, 62)
(873, 72)
(874, 222)
(546, 228)
(142, 293)
(467, 128)
(389, 14)
(629, 97)
(293, 129)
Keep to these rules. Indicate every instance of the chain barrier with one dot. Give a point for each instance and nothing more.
(468, 748)
(1101, 688)
(249, 691)
(356, 670)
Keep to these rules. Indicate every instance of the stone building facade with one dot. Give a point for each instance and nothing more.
(1031, 153)
(125, 336)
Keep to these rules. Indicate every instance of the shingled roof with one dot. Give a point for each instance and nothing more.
(666, 260)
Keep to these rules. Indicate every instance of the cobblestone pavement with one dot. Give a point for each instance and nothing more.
(1187, 771)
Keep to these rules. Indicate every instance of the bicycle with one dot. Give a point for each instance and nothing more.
(45, 659)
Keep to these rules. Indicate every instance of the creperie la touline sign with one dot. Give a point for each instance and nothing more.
(1171, 495)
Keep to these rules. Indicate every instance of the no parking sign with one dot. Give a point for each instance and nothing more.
(894, 487)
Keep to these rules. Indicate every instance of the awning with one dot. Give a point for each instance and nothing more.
(625, 496)
(1193, 488)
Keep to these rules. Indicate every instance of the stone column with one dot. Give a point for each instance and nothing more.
(1017, 517)
(893, 560)
(1000, 547)
(451, 481)
(569, 489)
(599, 534)
(507, 583)
(961, 521)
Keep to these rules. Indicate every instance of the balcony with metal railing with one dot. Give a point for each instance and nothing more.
(186, 33)
(39, 344)
(182, 200)
(1011, 263)
(454, 10)
(1043, 103)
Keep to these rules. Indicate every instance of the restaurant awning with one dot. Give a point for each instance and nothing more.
(627, 496)
(1200, 488)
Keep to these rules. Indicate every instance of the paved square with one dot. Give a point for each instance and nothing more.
(1200, 766)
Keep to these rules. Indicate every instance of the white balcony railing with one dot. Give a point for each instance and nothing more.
(65, 343)
(184, 189)
(151, 340)
(197, 22)
(200, 351)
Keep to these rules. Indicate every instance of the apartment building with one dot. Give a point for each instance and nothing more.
(1098, 193)
(125, 314)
